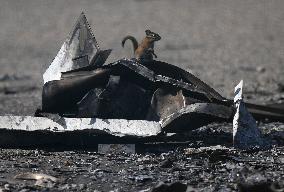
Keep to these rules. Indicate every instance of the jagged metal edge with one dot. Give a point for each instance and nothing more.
(246, 134)
(53, 72)
(210, 109)
(116, 127)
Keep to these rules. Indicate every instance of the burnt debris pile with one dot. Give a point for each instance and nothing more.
(78, 83)
(133, 97)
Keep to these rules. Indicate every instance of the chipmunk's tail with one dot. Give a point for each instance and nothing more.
(132, 39)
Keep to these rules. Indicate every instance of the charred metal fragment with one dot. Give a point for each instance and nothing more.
(77, 83)
(115, 127)
(65, 93)
(98, 60)
(123, 99)
(246, 134)
(174, 72)
(197, 88)
(195, 115)
(266, 112)
(80, 49)
(61, 96)
(89, 105)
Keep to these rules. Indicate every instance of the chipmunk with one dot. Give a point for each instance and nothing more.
(145, 50)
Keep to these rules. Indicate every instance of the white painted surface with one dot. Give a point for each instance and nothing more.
(81, 41)
(117, 127)
(61, 63)
(246, 134)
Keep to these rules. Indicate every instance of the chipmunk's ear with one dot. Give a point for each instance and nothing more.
(148, 32)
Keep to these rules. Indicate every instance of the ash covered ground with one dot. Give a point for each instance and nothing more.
(221, 42)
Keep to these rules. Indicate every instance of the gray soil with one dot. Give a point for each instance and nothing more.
(221, 42)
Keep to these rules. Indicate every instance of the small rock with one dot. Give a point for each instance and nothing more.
(230, 166)
(260, 69)
(65, 187)
(191, 189)
(42, 180)
(168, 163)
(82, 187)
(35, 176)
(115, 190)
(280, 160)
(44, 183)
(141, 178)
(256, 183)
(7, 187)
(176, 187)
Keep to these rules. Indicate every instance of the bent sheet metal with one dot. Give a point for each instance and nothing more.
(82, 86)
(124, 98)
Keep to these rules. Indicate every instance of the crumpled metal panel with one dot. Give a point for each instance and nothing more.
(123, 100)
(196, 87)
(136, 67)
(76, 83)
(78, 50)
(62, 95)
(173, 72)
(90, 104)
(119, 99)
(195, 115)
(139, 84)
(246, 134)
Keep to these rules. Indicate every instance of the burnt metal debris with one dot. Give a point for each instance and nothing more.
(80, 50)
(246, 134)
(80, 84)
